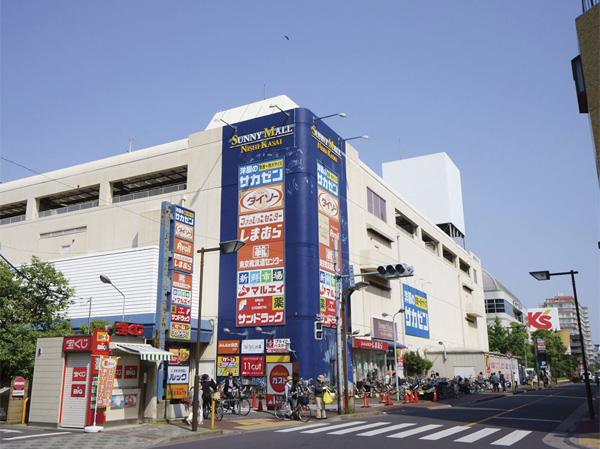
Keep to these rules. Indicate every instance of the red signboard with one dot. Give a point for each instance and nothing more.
(370, 344)
(79, 374)
(277, 377)
(78, 391)
(181, 314)
(131, 372)
(129, 329)
(119, 372)
(72, 344)
(267, 310)
(252, 366)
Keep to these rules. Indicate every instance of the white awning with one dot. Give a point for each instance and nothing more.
(146, 352)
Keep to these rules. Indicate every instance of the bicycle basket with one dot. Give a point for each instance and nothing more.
(216, 396)
(303, 400)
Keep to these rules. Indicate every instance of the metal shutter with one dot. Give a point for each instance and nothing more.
(74, 408)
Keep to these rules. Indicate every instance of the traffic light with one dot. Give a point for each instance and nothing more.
(318, 330)
(399, 270)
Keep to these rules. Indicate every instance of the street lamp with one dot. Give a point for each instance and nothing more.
(228, 247)
(241, 334)
(276, 106)
(339, 114)
(261, 331)
(546, 275)
(442, 343)
(356, 333)
(106, 280)
(395, 353)
(352, 138)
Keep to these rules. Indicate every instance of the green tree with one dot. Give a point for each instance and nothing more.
(518, 343)
(33, 302)
(497, 337)
(415, 364)
(94, 324)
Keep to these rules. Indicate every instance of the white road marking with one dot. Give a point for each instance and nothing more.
(386, 429)
(354, 429)
(10, 431)
(477, 435)
(445, 433)
(410, 432)
(512, 438)
(337, 426)
(294, 429)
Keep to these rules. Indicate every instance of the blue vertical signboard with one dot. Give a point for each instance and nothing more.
(416, 312)
(283, 194)
(181, 269)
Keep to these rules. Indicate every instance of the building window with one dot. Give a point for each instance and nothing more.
(405, 225)
(448, 255)
(464, 267)
(13, 213)
(429, 242)
(166, 181)
(376, 205)
(494, 306)
(71, 201)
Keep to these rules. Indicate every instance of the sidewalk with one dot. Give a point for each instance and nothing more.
(584, 431)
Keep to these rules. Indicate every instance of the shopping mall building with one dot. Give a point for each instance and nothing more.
(309, 211)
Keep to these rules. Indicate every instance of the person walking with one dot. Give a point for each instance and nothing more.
(495, 381)
(208, 387)
(288, 393)
(502, 381)
(319, 392)
(188, 420)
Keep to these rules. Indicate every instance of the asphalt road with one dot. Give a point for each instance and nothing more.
(519, 421)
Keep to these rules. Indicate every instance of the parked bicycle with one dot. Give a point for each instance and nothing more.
(207, 407)
(238, 405)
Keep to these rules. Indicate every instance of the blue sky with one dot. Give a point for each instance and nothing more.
(489, 83)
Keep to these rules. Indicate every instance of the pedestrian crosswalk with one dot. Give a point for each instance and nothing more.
(431, 432)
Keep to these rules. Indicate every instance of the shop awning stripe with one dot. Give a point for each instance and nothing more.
(146, 352)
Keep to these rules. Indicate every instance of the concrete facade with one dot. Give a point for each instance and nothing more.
(446, 275)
